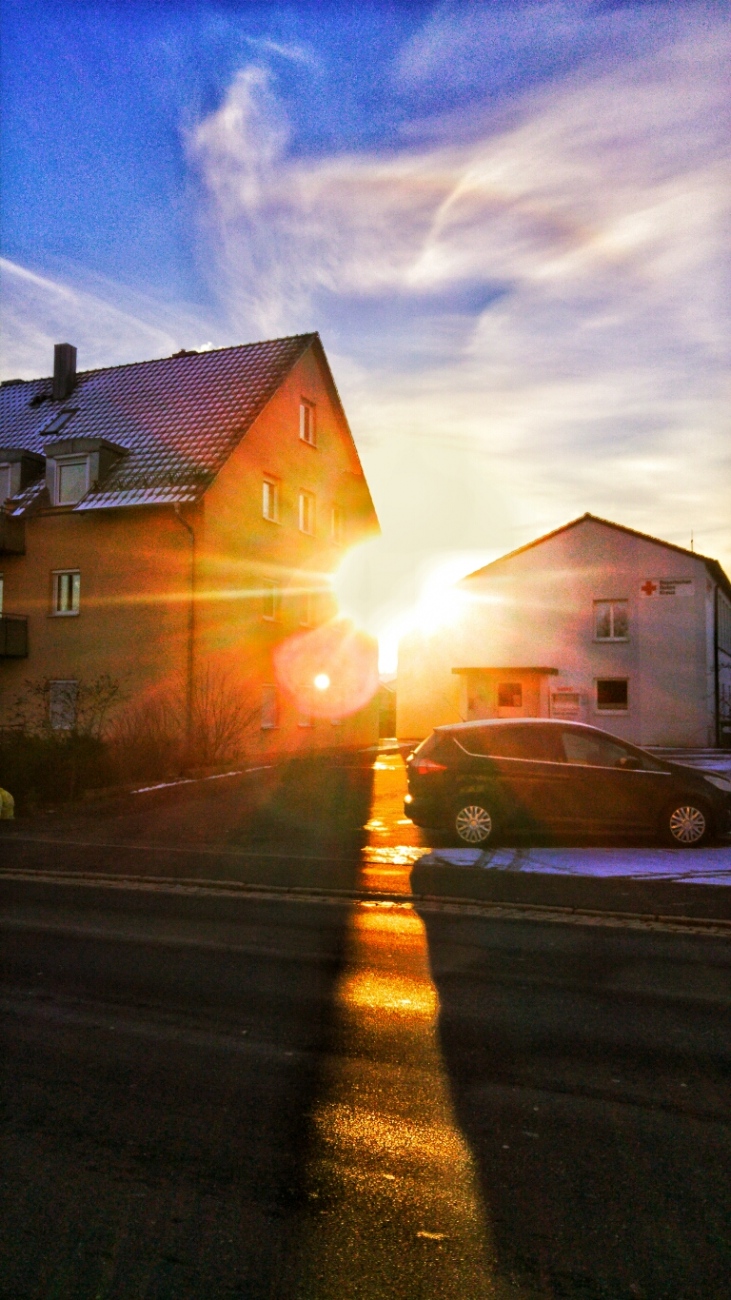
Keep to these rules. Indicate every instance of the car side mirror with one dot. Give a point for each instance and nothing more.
(629, 763)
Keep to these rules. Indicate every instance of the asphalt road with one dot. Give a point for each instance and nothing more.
(213, 1093)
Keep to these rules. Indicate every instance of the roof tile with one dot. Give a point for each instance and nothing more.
(179, 418)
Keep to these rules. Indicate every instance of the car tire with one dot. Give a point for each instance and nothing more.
(474, 824)
(687, 823)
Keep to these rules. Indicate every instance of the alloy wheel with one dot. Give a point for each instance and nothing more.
(473, 824)
(687, 824)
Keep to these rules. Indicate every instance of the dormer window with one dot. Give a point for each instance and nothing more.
(72, 480)
(75, 465)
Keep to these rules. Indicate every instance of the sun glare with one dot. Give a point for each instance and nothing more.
(322, 681)
(385, 594)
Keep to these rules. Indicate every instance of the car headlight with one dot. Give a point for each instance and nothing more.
(722, 782)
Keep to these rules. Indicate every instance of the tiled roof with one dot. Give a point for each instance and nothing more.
(178, 418)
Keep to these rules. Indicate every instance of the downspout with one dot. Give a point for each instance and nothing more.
(716, 668)
(190, 656)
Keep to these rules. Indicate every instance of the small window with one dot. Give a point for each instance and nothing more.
(270, 500)
(337, 528)
(307, 512)
(306, 608)
(72, 480)
(269, 708)
(4, 483)
(304, 720)
(308, 432)
(62, 697)
(509, 695)
(612, 695)
(271, 600)
(610, 620)
(66, 592)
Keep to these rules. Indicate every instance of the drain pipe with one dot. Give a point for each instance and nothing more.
(190, 666)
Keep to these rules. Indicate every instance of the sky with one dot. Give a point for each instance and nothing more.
(509, 222)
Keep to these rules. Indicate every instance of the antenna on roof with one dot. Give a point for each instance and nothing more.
(692, 546)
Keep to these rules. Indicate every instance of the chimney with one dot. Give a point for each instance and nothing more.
(64, 371)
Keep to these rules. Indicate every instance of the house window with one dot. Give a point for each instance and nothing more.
(336, 525)
(72, 480)
(612, 695)
(269, 708)
(304, 720)
(510, 695)
(610, 620)
(270, 500)
(307, 422)
(307, 512)
(62, 696)
(271, 600)
(66, 590)
(4, 483)
(307, 608)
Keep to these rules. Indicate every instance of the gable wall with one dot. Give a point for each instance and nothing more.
(536, 608)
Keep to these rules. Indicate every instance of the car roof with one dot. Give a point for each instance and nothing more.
(479, 723)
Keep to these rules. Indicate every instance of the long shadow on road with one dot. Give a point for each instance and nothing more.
(161, 1065)
(589, 1070)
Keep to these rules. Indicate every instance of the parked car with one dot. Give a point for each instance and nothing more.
(476, 780)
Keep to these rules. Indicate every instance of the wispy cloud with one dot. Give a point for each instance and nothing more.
(292, 53)
(108, 324)
(527, 325)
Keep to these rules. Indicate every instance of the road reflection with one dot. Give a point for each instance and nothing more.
(394, 1202)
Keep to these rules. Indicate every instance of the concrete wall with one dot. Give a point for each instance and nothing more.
(537, 609)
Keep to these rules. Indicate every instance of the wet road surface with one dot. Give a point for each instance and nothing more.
(210, 1095)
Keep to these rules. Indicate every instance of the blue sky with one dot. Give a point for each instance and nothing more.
(509, 222)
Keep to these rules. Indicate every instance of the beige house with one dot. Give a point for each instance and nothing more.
(595, 622)
(175, 519)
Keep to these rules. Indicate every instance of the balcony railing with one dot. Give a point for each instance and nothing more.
(13, 636)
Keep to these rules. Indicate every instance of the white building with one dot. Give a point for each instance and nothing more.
(594, 622)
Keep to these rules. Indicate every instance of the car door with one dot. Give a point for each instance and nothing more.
(524, 768)
(610, 786)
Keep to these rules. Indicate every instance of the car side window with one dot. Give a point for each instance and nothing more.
(594, 751)
(510, 742)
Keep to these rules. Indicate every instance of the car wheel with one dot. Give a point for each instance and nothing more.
(687, 823)
(474, 824)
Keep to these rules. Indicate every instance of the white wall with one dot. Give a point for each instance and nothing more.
(537, 609)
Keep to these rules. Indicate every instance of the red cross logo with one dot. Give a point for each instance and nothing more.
(649, 587)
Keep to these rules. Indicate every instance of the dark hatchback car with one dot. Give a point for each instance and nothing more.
(476, 780)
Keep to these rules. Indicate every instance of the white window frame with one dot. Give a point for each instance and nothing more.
(306, 512)
(612, 605)
(6, 471)
(269, 707)
(270, 499)
(271, 600)
(337, 525)
(65, 462)
(62, 713)
(62, 589)
(620, 710)
(306, 614)
(308, 424)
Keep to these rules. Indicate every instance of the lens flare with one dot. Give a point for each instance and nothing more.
(330, 672)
